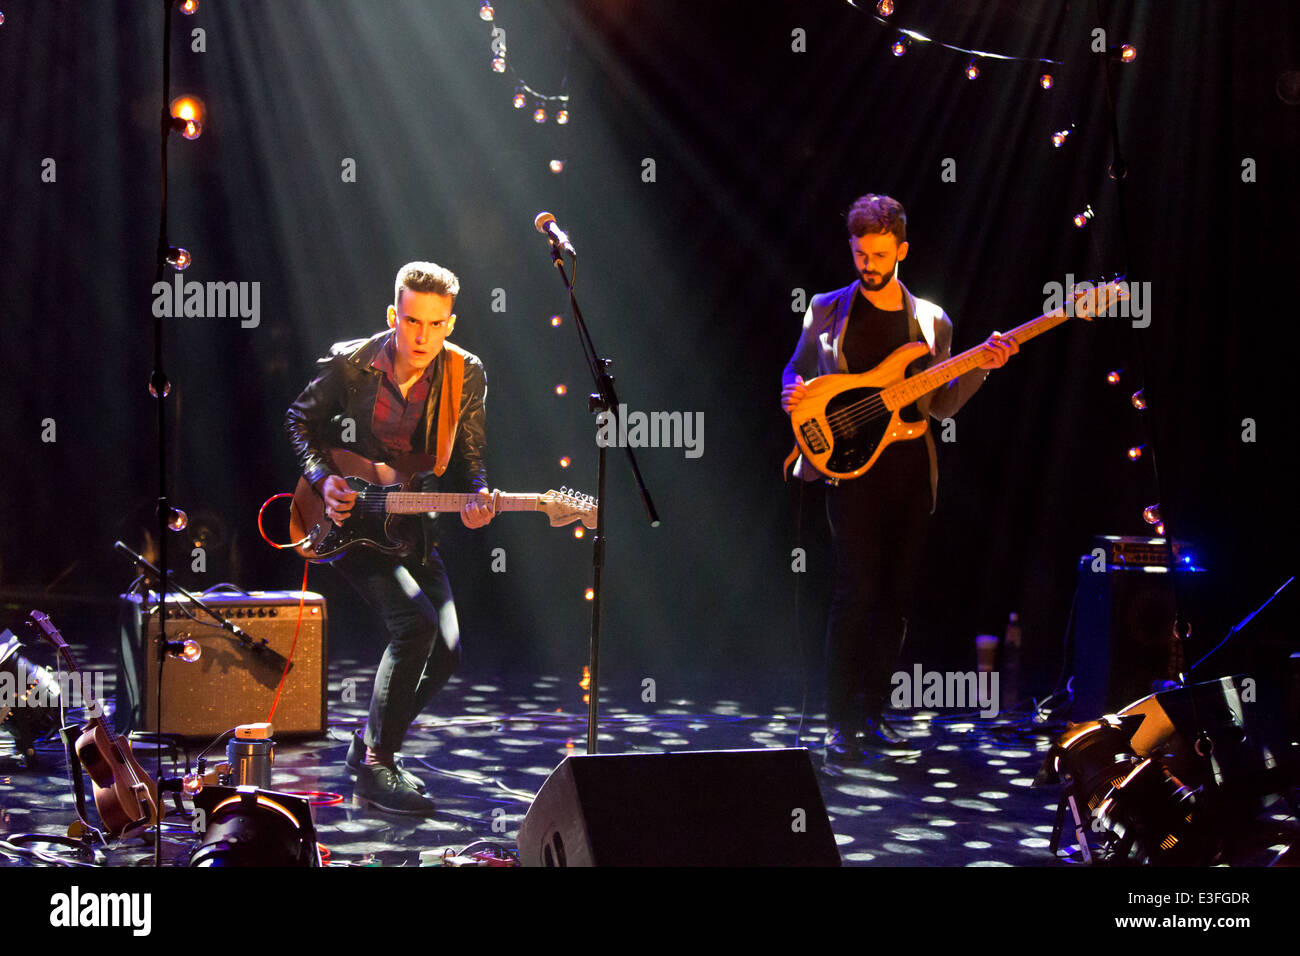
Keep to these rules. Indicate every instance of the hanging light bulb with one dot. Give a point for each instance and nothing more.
(485, 11)
(1151, 514)
(562, 116)
(1081, 219)
(178, 258)
(1135, 452)
(520, 100)
(578, 531)
(557, 165)
(539, 115)
(560, 390)
(972, 69)
(1112, 378)
(498, 64)
(154, 388)
(188, 113)
(1139, 400)
(555, 321)
(177, 519)
(1128, 53)
(1058, 138)
(186, 650)
(590, 594)
(1045, 81)
(188, 7)
(899, 46)
(565, 462)
(885, 7)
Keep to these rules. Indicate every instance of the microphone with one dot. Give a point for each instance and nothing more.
(546, 225)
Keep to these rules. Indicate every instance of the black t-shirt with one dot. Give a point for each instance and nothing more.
(871, 336)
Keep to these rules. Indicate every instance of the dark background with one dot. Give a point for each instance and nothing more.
(686, 281)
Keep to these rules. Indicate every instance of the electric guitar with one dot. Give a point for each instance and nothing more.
(125, 795)
(844, 421)
(385, 494)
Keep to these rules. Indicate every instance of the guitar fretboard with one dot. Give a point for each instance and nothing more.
(910, 389)
(419, 502)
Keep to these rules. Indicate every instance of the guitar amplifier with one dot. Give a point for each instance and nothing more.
(230, 683)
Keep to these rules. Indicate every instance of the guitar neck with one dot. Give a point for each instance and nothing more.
(419, 502)
(910, 389)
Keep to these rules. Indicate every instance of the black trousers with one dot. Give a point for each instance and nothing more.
(414, 601)
(878, 525)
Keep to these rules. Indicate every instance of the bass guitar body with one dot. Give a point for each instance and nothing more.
(842, 424)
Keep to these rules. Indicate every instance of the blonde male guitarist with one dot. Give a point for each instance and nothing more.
(878, 521)
(404, 391)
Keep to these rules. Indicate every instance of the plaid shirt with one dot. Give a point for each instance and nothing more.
(395, 417)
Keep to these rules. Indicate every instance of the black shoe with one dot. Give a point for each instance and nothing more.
(880, 738)
(381, 786)
(842, 745)
(356, 759)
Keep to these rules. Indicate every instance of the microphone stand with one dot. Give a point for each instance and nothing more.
(603, 401)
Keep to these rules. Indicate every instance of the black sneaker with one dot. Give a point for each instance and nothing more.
(879, 738)
(381, 786)
(356, 759)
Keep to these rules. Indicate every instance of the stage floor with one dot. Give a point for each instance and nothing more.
(490, 742)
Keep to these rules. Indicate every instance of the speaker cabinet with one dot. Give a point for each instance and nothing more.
(229, 684)
(1124, 645)
(711, 808)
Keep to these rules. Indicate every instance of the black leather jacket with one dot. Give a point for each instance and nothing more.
(347, 387)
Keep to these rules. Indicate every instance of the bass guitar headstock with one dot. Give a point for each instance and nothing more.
(1097, 300)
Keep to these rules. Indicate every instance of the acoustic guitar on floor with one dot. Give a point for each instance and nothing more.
(844, 422)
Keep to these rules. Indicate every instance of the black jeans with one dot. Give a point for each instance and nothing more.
(878, 525)
(414, 601)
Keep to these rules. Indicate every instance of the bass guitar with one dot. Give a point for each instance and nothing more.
(385, 494)
(844, 422)
(125, 795)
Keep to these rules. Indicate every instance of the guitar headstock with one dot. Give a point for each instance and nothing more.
(1097, 300)
(42, 621)
(567, 506)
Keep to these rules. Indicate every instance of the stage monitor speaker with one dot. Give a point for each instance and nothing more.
(1124, 644)
(229, 684)
(710, 808)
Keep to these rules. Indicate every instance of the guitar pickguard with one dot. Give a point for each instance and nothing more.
(368, 525)
(856, 432)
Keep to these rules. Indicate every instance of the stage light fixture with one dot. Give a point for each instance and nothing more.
(251, 827)
(177, 519)
(485, 11)
(499, 64)
(557, 165)
(187, 650)
(972, 69)
(1151, 514)
(188, 7)
(539, 115)
(178, 258)
(1139, 400)
(562, 116)
(1046, 81)
(1128, 53)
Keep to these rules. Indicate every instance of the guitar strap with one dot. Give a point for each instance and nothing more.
(453, 379)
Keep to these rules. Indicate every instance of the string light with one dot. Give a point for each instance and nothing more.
(498, 64)
(1128, 53)
(1081, 219)
(523, 93)
(578, 532)
(520, 100)
(539, 115)
(560, 390)
(1112, 378)
(177, 520)
(485, 11)
(972, 69)
(178, 258)
(1135, 452)
(1151, 514)
(557, 165)
(885, 7)
(1139, 400)
(590, 594)
(1058, 138)
(562, 116)
(188, 7)
(555, 321)
(187, 116)
(565, 462)
(1045, 81)
(899, 46)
